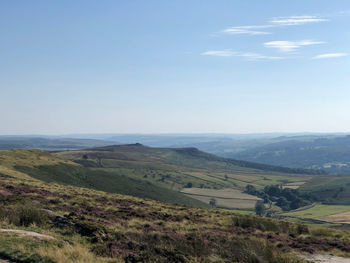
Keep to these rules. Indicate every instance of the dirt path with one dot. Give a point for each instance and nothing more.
(325, 259)
(27, 233)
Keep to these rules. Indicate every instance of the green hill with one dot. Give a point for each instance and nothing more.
(329, 189)
(187, 170)
(178, 168)
(43, 222)
(331, 154)
(48, 168)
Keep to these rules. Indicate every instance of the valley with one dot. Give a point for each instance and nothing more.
(98, 197)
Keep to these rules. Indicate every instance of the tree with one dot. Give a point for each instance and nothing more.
(212, 202)
(283, 203)
(189, 185)
(85, 156)
(272, 190)
(260, 208)
(250, 189)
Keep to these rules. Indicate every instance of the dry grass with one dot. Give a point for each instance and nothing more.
(343, 218)
(72, 254)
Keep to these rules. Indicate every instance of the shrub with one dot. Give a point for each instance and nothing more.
(24, 215)
(267, 224)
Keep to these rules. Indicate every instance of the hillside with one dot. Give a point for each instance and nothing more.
(187, 168)
(48, 168)
(48, 222)
(329, 189)
(331, 154)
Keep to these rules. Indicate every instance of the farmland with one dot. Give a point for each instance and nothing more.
(227, 198)
(187, 170)
(326, 213)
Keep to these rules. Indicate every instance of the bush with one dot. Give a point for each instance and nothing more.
(266, 224)
(24, 215)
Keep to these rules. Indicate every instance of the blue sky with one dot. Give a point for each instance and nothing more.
(174, 66)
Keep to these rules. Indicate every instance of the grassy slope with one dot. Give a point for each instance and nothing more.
(175, 168)
(329, 189)
(102, 227)
(328, 153)
(48, 168)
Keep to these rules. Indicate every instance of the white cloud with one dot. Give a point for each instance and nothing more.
(274, 22)
(229, 53)
(296, 20)
(255, 56)
(248, 30)
(330, 55)
(290, 46)
(219, 53)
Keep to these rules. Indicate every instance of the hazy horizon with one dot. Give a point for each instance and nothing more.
(160, 67)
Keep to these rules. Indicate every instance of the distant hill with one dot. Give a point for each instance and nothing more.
(176, 168)
(330, 154)
(48, 144)
(192, 157)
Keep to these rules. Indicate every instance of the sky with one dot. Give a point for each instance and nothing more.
(184, 66)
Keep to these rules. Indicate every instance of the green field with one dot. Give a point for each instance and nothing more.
(227, 198)
(319, 211)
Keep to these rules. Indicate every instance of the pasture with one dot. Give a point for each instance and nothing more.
(226, 198)
(328, 213)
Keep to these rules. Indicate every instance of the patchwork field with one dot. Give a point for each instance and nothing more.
(203, 176)
(342, 218)
(327, 213)
(226, 198)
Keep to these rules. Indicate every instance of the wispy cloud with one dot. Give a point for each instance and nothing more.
(246, 55)
(290, 46)
(296, 20)
(247, 30)
(219, 53)
(330, 55)
(272, 23)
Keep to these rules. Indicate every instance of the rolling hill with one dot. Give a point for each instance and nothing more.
(187, 168)
(45, 222)
(26, 164)
(331, 154)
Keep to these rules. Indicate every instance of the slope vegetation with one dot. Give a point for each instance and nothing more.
(177, 168)
(43, 166)
(47, 222)
(188, 168)
(330, 153)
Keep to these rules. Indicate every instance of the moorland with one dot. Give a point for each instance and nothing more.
(134, 203)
